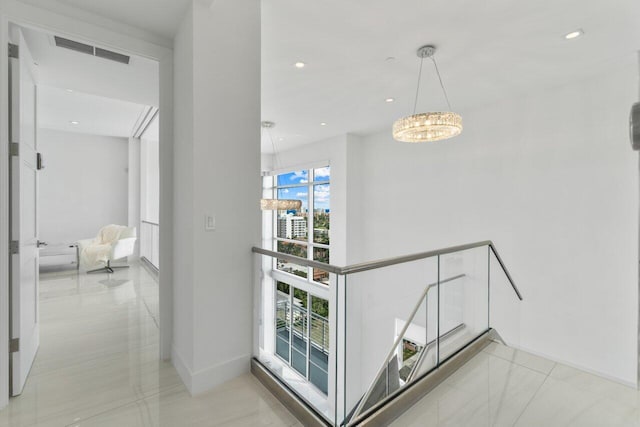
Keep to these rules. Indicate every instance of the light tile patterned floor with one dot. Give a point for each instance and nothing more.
(98, 364)
(506, 387)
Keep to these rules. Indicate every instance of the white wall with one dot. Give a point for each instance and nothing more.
(217, 169)
(84, 185)
(133, 190)
(183, 272)
(150, 172)
(552, 180)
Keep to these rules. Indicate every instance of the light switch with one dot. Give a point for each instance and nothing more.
(209, 222)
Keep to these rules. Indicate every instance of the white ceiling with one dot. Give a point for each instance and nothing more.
(159, 17)
(96, 115)
(488, 50)
(105, 97)
(58, 67)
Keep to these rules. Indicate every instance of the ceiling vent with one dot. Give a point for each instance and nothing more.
(91, 50)
(107, 54)
(73, 45)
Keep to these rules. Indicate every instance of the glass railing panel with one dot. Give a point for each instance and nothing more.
(349, 347)
(299, 340)
(389, 315)
(289, 266)
(463, 303)
(283, 329)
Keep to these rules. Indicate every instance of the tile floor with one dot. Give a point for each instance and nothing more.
(505, 387)
(98, 364)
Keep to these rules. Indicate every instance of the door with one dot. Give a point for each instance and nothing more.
(25, 336)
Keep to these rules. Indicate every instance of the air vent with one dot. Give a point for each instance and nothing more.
(73, 45)
(90, 50)
(107, 54)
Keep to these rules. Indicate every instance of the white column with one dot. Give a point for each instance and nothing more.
(217, 170)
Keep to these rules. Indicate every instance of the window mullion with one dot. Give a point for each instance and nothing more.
(311, 202)
(290, 325)
(308, 335)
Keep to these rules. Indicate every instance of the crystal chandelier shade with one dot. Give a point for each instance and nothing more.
(280, 204)
(427, 127)
(432, 126)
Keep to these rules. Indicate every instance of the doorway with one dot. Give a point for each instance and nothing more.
(84, 138)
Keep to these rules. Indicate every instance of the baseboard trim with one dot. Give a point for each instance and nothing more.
(206, 379)
(183, 371)
(149, 267)
(579, 367)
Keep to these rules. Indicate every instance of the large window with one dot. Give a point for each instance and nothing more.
(302, 333)
(301, 307)
(306, 232)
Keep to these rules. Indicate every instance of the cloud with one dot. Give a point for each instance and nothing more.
(322, 174)
(322, 193)
(299, 176)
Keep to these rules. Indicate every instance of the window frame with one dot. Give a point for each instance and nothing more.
(309, 242)
(309, 314)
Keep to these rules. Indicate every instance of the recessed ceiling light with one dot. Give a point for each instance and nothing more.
(574, 34)
(281, 139)
(323, 124)
(69, 90)
(300, 64)
(388, 100)
(74, 122)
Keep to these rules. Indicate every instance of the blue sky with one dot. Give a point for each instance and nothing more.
(321, 192)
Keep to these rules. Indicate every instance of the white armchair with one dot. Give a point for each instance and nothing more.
(113, 242)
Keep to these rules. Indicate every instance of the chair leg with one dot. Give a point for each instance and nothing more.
(107, 268)
(111, 267)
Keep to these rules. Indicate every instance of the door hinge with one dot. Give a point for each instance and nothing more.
(14, 247)
(14, 50)
(14, 149)
(14, 345)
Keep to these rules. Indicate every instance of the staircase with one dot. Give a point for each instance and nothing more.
(446, 324)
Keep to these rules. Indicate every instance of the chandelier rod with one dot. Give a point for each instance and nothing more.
(415, 103)
(446, 97)
(268, 126)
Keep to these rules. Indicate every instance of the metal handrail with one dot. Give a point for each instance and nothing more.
(399, 339)
(371, 265)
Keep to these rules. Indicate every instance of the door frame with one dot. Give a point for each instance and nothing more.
(90, 28)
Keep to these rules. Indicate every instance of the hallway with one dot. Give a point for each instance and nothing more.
(98, 364)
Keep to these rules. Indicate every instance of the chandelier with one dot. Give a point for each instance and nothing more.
(432, 126)
(277, 204)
